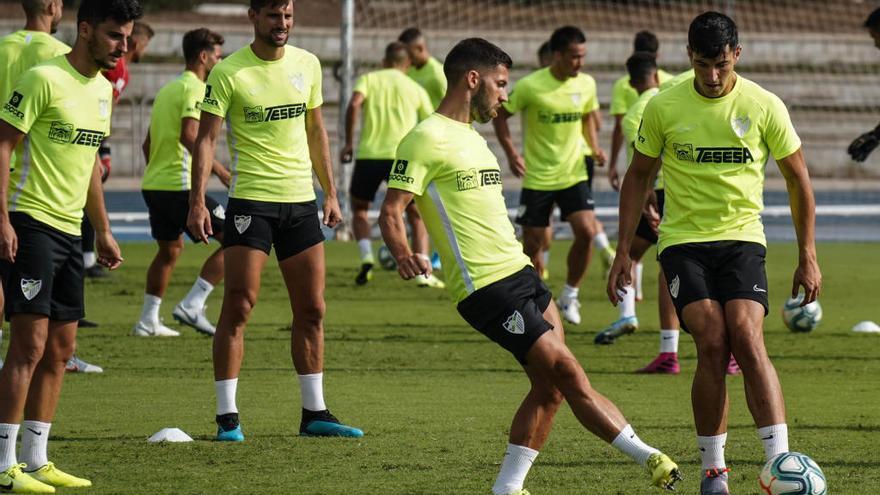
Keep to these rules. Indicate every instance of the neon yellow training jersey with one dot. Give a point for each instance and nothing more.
(265, 104)
(457, 183)
(170, 162)
(431, 77)
(623, 96)
(554, 143)
(65, 116)
(684, 76)
(714, 151)
(393, 105)
(631, 120)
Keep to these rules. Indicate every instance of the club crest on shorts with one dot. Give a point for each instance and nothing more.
(741, 125)
(515, 324)
(242, 222)
(674, 286)
(30, 288)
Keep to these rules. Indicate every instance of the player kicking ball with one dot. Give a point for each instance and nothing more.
(456, 181)
(63, 108)
(714, 135)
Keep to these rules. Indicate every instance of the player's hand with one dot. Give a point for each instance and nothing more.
(413, 266)
(619, 277)
(106, 166)
(107, 250)
(808, 276)
(863, 145)
(332, 213)
(198, 221)
(517, 165)
(346, 154)
(8, 241)
(600, 157)
(614, 178)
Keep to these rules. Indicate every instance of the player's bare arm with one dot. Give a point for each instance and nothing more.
(199, 220)
(106, 248)
(803, 213)
(9, 138)
(636, 184)
(352, 114)
(319, 152)
(616, 144)
(591, 135)
(393, 228)
(502, 131)
(145, 148)
(189, 131)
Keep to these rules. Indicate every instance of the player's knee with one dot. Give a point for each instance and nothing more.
(27, 354)
(169, 253)
(713, 353)
(311, 314)
(239, 303)
(567, 371)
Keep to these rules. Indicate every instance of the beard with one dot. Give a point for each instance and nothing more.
(270, 40)
(104, 62)
(481, 106)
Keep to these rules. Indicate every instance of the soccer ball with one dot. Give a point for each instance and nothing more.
(792, 473)
(386, 259)
(801, 319)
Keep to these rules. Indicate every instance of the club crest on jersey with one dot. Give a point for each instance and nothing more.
(741, 125)
(515, 324)
(104, 108)
(674, 286)
(575, 98)
(30, 288)
(242, 222)
(298, 81)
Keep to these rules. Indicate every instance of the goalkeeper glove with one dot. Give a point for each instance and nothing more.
(863, 145)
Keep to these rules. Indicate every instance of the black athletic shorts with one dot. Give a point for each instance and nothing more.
(591, 165)
(535, 207)
(168, 212)
(290, 227)
(368, 176)
(644, 229)
(47, 275)
(510, 311)
(720, 270)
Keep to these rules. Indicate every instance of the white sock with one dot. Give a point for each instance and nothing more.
(569, 292)
(627, 307)
(669, 341)
(546, 256)
(226, 395)
(712, 451)
(150, 313)
(311, 388)
(517, 462)
(775, 439)
(640, 268)
(89, 259)
(630, 444)
(198, 294)
(8, 437)
(366, 249)
(34, 438)
(601, 241)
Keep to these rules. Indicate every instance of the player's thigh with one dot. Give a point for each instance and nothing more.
(360, 205)
(575, 200)
(689, 276)
(741, 273)
(704, 320)
(583, 223)
(535, 208)
(744, 319)
(639, 247)
(171, 250)
(250, 224)
(368, 175)
(242, 273)
(303, 276)
(29, 281)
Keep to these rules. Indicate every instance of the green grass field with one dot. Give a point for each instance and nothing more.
(436, 398)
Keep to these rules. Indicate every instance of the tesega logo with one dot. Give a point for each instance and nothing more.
(63, 133)
(559, 118)
(14, 102)
(210, 100)
(86, 137)
(398, 172)
(253, 115)
(729, 154)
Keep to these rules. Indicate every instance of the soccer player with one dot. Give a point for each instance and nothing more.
(167, 149)
(23, 49)
(392, 104)
(425, 69)
(862, 146)
(714, 136)
(456, 181)
(57, 113)
(270, 95)
(559, 102)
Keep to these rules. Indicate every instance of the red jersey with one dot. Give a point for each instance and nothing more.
(118, 78)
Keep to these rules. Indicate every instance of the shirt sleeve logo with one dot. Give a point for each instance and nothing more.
(16, 99)
(210, 100)
(12, 106)
(398, 172)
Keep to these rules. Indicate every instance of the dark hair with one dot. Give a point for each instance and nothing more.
(199, 40)
(259, 4)
(396, 53)
(471, 54)
(34, 7)
(711, 33)
(544, 49)
(95, 12)
(142, 29)
(409, 35)
(640, 65)
(646, 41)
(565, 36)
(873, 20)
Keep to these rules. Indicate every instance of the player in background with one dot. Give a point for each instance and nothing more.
(57, 114)
(558, 104)
(447, 167)
(714, 137)
(425, 69)
(23, 49)
(623, 96)
(862, 146)
(270, 94)
(392, 104)
(168, 148)
(119, 78)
